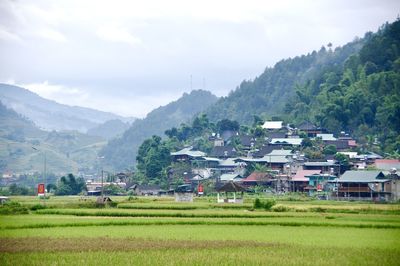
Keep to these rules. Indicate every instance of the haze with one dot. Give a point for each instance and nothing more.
(129, 57)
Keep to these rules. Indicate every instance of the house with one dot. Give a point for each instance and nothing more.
(231, 165)
(300, 180)
(317, 182)
(186, 154)
(184, 193)
(272, 125)
(310, 129)
(265, 149)
(277, 162)
(258, 179)
(325, 136)
(287, 141)
(367, 185)
(233, 177)
(247, 142)
(322, 166)
(362, 161)
(223, 152)
(230, 189)
(341, 145)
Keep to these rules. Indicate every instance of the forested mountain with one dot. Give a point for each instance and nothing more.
(267, 94)
(50, 115)
(354, 88)
(109, 129)
(120, 153)
(362, 97)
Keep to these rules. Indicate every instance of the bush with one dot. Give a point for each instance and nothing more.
(37, 207)
(267, 205)
(257, 204)
(13, 208)
(281, 208)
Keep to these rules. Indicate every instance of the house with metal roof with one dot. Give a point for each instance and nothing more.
(186, 154)
(369, 185)
(287, 141)
(272, 125)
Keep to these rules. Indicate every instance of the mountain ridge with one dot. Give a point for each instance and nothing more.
(51, 115)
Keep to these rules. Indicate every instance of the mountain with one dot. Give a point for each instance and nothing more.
(362, 97)
(50, 115)
(109, 129)
(120, 153)
(266, 95)
(65, 151)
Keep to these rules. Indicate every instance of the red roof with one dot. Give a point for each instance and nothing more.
(352, 143)
(257, 176)
(301, 174)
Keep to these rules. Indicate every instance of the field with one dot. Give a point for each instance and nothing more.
(158, 231)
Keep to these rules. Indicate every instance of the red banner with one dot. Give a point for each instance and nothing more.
(200, 189)
(40, 189)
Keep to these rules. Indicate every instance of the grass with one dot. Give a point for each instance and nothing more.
(158, 231)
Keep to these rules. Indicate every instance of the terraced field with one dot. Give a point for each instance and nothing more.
(158, 231)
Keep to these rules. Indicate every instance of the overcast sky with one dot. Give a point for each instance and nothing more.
(129, 57)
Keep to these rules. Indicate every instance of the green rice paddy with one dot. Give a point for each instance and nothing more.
(159, 231)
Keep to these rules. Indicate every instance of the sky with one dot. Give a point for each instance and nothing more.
(129, 57)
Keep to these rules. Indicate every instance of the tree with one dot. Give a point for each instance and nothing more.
(69, 185)
(329, 150)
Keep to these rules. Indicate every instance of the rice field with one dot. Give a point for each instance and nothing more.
(159, 231)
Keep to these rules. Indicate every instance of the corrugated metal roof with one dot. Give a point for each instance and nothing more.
(272, 125)
(361, 176)
(292, 141)
(319, 163)
(280, 152)
(229, 177)
(188, 151)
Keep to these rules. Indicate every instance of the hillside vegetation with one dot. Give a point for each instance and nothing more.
(362, 97)
(65, 151)
(120, 153)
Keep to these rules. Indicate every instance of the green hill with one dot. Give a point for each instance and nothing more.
(120, 153)
(267, 95)
(362, 97)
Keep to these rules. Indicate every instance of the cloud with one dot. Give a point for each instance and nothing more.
(51, 34)
(117, 34)
(8, 36)
(58, 93)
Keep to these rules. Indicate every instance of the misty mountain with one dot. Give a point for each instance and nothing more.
(66, 151)
(121, 152)
(109, 129)
(50, 115)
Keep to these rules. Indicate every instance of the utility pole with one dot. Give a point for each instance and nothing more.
(102, 182)
(44, 171)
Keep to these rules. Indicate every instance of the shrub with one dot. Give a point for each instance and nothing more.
(280, 208)
(13, 208)
(37, 207)
(268, 204)
(257, 204)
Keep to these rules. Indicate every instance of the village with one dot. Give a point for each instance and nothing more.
(278, 167)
